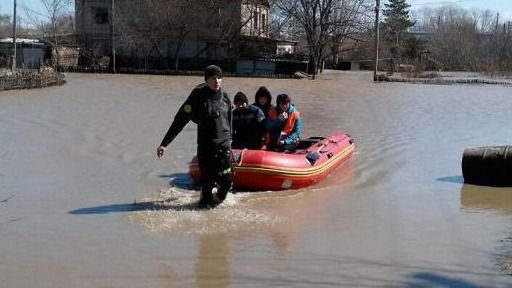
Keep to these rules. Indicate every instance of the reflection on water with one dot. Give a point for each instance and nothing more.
(475, 197)
(212, 264)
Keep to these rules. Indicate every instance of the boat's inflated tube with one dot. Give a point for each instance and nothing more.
(489, 166)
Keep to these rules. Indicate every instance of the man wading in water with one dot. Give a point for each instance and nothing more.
(210, 108)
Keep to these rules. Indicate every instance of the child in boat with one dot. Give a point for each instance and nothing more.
(263, 100)
(284, 124)
(248, 124)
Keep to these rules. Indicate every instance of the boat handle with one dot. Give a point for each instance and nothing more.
(238, 157)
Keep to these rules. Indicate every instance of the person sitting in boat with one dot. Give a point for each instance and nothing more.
(248, 124)
(284, 124)
(263, 100)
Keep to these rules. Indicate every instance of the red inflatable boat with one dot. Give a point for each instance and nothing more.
(315, 158)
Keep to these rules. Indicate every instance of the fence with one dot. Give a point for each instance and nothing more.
(30, 79)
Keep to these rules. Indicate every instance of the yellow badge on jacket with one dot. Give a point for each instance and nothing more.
(187, 108)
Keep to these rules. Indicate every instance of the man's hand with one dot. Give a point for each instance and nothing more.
(160, 151)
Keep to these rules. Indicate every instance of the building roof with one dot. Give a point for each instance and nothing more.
(262, 2)
(22, 40)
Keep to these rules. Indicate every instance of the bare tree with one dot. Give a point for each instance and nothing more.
(162, 26)
(352, 19)
(324, 23)
(157, 26)
(64, 24)
(460, 39)
(313, 17)
(5, 25)
(233, 21)
(136, 25)
(55, 19)
(484, 19)
(280, 24)
(54, 10)
(5, 31)
(181, 22)
(502, 46)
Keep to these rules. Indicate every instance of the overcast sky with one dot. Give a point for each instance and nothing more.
(504, 7)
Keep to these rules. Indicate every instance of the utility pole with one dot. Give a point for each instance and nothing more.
(113, 39)
(377, 36)
(13, 67)
(497, 40)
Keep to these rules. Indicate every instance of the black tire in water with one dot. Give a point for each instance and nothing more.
(489, 166)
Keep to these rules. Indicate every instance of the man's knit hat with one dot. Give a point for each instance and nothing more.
(212, 70)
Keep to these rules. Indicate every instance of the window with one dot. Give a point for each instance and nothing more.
(255, 20)
(101, 16)
(264, 23)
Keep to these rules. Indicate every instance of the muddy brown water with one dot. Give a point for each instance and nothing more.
(76, 158)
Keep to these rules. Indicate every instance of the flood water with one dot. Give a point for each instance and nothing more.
(84, 202)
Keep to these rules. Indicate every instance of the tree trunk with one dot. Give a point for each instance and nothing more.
(312, 66)
(177, 57)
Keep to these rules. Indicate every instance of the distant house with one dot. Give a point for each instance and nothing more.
(30, 53)
(94, 26)
(255, 18)
(230, 30)
(286, 47)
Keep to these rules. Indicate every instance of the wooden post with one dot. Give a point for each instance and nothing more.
(13, 67)
(113, 38)
(377, 28)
